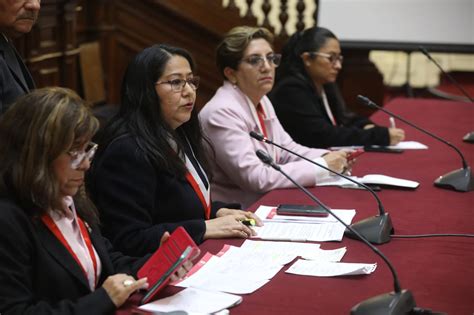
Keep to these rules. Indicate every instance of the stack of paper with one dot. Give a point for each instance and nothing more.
(301, 228)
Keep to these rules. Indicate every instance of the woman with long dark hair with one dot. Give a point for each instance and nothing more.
(150, 173)
(308, 102)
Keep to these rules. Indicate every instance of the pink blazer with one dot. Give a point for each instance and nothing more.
(238, 174)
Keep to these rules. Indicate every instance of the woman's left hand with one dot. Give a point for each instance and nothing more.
(250, 215)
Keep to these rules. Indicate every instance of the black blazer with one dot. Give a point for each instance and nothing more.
(301, 112)
(14, 81)
(39, 276)
(138, 203)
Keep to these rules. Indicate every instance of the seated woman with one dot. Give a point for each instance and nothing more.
(308, 102)
(149, 174)
(53, 257)
(247, 61)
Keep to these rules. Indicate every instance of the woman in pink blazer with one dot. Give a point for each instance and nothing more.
(247, 61)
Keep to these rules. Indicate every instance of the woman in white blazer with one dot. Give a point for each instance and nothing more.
(247, 61)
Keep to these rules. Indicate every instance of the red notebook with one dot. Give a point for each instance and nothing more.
(171, 255)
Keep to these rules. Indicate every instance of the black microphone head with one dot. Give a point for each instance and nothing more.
(264, 157)
(365, 101)
(256, 135)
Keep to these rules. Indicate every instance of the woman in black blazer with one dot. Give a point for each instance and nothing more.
(308, 102)
(149, 175)
(53, 259)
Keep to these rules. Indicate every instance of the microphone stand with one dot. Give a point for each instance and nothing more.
(376, 229)
(460, 179)
(397, 302)
(469, 137)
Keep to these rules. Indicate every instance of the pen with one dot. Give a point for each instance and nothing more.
(392, 122)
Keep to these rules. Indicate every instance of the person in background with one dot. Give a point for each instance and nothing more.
(53, 257)
(17, 17)
(150, 174)
(308, 102)
(246, 60)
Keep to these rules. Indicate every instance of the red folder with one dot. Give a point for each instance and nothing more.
(171, 255)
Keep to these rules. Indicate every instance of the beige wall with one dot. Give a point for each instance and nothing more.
(392, 65)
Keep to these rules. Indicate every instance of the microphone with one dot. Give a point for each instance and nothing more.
(376, 229)
(397, 302)
(460, 179)
(450, 77)
(469, 137)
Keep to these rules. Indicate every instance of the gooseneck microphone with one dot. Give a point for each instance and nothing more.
(450, 77)
(376, 229)
(460, 179)
(397, 302)
(469, 137)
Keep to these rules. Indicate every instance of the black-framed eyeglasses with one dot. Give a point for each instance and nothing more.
(78, 156)
(257, 61)
(177, 85)
(331, 57)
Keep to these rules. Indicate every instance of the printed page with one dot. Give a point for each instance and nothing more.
(329, 269)
(300, 231)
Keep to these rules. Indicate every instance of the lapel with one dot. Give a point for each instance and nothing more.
(54, 247)
(15, 65)
(103, 253)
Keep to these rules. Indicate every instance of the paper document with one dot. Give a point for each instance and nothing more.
(374, 179)
(329, 269)
(300, 231)
(194, 301)
(409, 145)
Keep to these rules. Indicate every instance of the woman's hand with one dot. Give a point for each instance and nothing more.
(396, 135)
(120, 286)
(228, 226)
(249, 215)
(337, 160)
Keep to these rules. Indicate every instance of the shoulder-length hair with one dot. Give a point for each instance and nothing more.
(38, 128)
(140, 113)
(230, 50)
(309, 40)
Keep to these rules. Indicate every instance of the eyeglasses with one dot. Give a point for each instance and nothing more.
(177, 85)
(257, 61)
(331, 57)
(78, 156)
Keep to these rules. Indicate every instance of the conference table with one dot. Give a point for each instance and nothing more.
(437, 270)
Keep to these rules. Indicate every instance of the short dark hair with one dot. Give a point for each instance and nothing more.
(140, 113)
(309, 40)
(34, 131)
(231, 49)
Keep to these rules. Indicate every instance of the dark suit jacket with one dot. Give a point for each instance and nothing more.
(138, 203)
(14, 82)
(301, 112)
(39, 276)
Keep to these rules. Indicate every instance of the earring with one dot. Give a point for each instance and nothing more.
(234, 84)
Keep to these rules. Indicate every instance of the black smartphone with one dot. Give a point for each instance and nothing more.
(304, 210)
(380, 148)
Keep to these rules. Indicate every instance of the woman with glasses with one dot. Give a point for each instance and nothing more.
(53, 257)
(308, 102)
(246, 60)
(149, 175)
